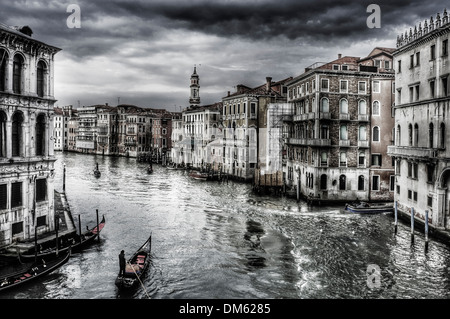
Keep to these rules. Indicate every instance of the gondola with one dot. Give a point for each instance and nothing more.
(97, 171)
(36, 270)
(77, 243)
(199, 175)
(136, 266)
(366, 208)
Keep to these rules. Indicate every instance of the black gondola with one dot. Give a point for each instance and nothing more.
(77, 244)
(97, 171)
(136, 266)
(36, 270)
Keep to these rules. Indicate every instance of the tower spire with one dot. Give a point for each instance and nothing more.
(194, 99)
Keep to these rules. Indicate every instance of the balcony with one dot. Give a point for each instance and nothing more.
(344, 143)
(363, 117)
(319, 142)
(363, 144)
(344, 117)
(412, 152)
(325, 115)
(298, 141)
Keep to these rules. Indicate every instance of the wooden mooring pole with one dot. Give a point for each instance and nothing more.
(412, 224)
(426, 230)
(98, 233)
(396, 218)
(79, 226)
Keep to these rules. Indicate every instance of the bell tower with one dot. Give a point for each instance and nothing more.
(194, 99)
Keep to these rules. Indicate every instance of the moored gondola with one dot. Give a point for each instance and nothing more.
(36, 270)
(77, 243)
(136, 266)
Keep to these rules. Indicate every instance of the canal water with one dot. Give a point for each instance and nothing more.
(219, 240)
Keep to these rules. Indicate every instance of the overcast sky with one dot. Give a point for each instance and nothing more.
(143, 52)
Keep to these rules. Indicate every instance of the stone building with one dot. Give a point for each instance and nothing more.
(342, 124)
(26, 146)
(245, 126)
(422, 105)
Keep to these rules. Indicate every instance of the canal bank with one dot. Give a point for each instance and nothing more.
(65, 230)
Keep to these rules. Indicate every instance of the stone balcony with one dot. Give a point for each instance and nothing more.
(412, 152)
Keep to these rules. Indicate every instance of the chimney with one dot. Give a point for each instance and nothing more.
(339, 55)
(239, 88)
(228, 93)
(106, 104)
(268, 83)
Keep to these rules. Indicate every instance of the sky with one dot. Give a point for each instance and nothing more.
(143, 52)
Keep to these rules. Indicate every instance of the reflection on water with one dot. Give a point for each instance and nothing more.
(213, 240)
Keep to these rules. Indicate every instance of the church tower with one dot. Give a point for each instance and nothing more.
(194, 100)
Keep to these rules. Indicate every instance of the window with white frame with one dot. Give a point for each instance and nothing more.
(376, 87)
(376, 108)
(362, 87)
(343, 86)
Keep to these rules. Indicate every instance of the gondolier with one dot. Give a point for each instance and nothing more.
(122, 263)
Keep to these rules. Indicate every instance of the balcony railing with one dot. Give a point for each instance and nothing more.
(363, 143)
(325, 115)
(319, 142)
(409, 151)
(363, 117)
(344, 143)
(344, 116)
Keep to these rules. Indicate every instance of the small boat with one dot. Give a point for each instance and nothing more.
(36, 270)
(97, 171)
(366, 208)
(199, 175)
(77, 244)
(136, 266)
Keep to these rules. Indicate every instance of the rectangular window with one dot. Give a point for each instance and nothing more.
(17, 228)
(3, 196)
(336, 67)
(409, 194)
(41, 221)
(417, 92)
(376, 86)
(343, 86)
(433, 52)
(417, 58)
(411, 61)
(399, 66)
(41, 190)
(415, 196)
(344, 67)
(430, 201)
(324, 85)
(375, 183)
(362, 87)
(432, 90)
(398, 189)
(16, 194)
(444, 86)
(391, 183)
(376, 159)
(387, 64)
(445, 47)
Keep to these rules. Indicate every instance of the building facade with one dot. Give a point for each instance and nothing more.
(340, 130)
(245, 126)
(422, 105)
(26, 145)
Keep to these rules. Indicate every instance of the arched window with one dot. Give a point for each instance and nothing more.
(342, 182)
(361, 185)
(431, 135)
(343, 106)
(16, 134)
(3, 136)
(362, 133)
(442, 135)
(40, 135)
(343, 132)
(398, 136)
(362, 107)
(324, 105)
(410, 135)
(17, 74)
(3, 70)
(323, 181)
(376, 134)
(40, 86)
(376, 108)
(416, 134)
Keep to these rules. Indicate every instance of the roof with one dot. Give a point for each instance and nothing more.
(24, 32)
(260, 90)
